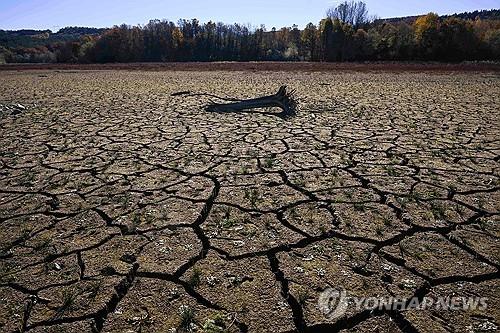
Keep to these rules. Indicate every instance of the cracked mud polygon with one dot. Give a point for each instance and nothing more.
(126, 209)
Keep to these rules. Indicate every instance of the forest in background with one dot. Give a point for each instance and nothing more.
(347, 33)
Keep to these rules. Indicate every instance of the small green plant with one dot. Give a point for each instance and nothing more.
(460, 209)
(334, 173)
(455, 237)
(350, 252)
(387, 221)
(309, 216)
(216, 324)
(253, 196)
(69, 297)
(483, 223)
(438, 210)
(25, 234)
(402, 201)
(248, 231)
(29, 176)
(303, 296)
(434, 194)
(402, 249)
(436, 153)
(6, 271)
(187, 317)
(338, 198)
(94, 289)
(227, 221)
(481, 202)
(359, 206)
(319, 248)
(391, 171)
(136, 219)
(149, 218)
(226, 211)
(244, 169)
(415, 196)
(195, 277)
(419, 254)
(269, 162)
(300, 181)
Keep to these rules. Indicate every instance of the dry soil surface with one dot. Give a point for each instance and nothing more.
(126, 209)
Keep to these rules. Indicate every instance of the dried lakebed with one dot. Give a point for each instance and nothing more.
(124, 208)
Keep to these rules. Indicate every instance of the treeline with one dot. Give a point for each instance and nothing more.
(492, 14)
(41, 45)
(347, 34)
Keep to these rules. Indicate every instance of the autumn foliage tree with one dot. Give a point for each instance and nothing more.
(427, 35)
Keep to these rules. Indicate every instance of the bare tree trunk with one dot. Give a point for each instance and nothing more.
(282, 99)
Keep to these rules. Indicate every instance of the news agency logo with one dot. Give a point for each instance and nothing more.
(334, 302)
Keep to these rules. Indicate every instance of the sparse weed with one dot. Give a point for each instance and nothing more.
(149, 218)
(483, 223)
(359, 206)
(187, 317)
(136, 221)
(269, 162)
(419, 254)
(195, 277)
(25, 234)
(300, 181)
(387, 221)
(69, 297)
(391, 171)
(415, 196)
(253, 196)
(350, 253)
(216, 324)
(481, 203)
(228, 223)
(438, 210)
(244, 169)
(303, 296)
(94, 289)
(42, 243)
(226, 210)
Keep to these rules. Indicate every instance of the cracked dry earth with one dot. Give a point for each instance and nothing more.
(126, 209)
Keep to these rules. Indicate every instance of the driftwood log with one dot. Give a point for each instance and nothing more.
(283, 99)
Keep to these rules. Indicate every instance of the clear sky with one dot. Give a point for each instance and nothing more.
(52, 14)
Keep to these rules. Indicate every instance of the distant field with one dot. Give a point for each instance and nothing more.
(126, 209)
(268, 66)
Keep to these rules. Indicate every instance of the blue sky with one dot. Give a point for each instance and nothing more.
(51, 14)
